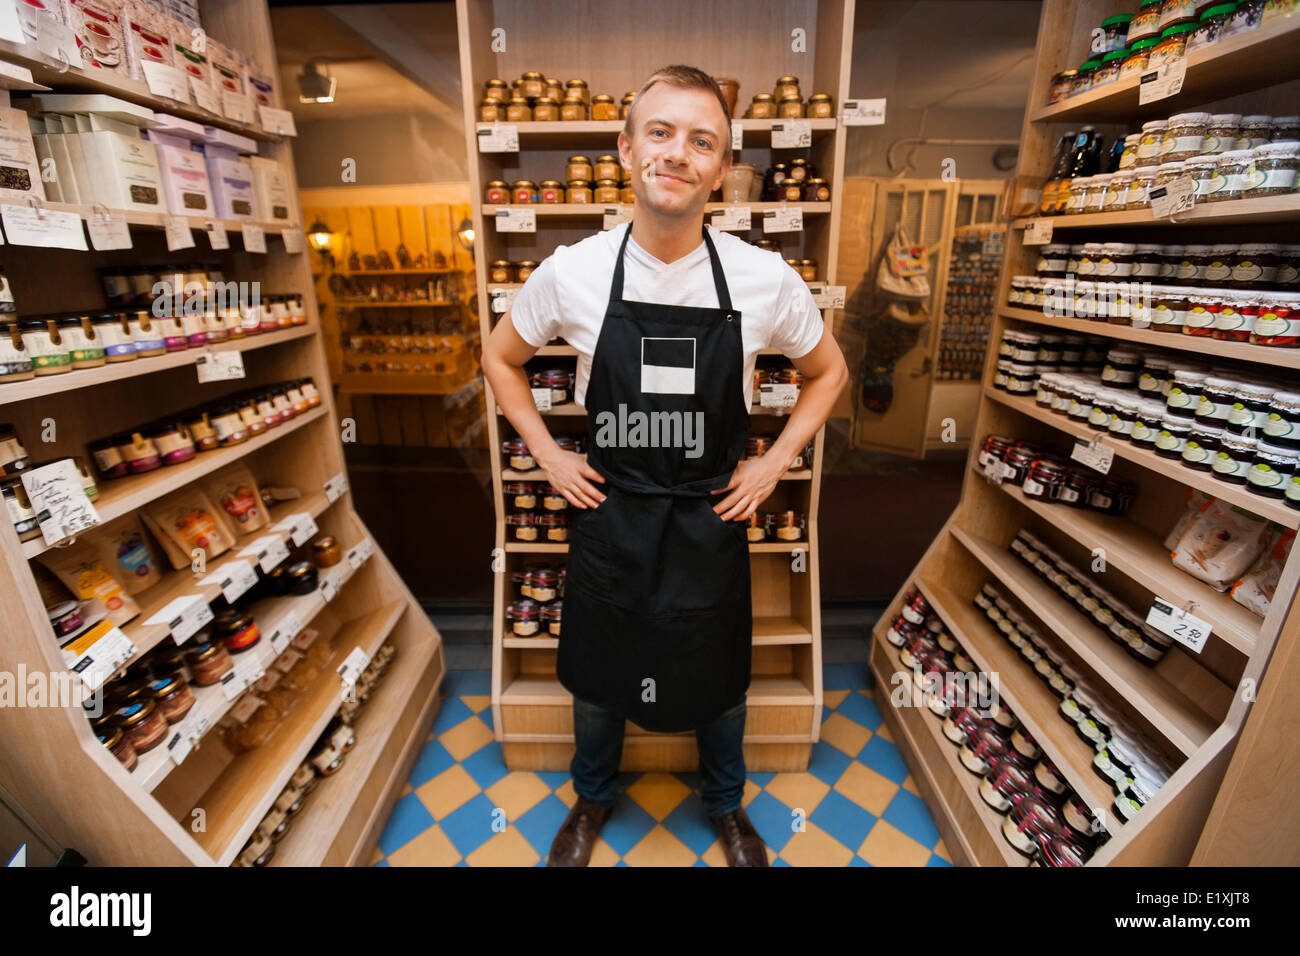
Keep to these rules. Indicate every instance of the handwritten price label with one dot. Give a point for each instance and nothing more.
(498, 138)
(733, 219)
(516, 220)
(1173, 198)
(792, 134)
(1185, 628)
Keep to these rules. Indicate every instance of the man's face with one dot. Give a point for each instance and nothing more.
(675, 153)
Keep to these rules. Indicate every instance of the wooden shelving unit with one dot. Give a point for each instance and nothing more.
(532, 712)
(1190, 706)
(53, 765)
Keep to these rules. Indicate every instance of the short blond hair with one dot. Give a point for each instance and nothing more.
(686, 78)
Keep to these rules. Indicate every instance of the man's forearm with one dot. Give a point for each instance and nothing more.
(510, 388)
(816, 400)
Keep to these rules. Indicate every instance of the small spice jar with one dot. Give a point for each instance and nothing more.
(327, 551)
(172, 696)
(142, 723)
(555, 528)
(578, 190)
(517, 456)
(524, 618)
(236, 630)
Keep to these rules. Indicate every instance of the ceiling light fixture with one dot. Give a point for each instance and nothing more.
(314, 86)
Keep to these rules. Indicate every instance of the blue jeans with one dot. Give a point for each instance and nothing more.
(599, 735)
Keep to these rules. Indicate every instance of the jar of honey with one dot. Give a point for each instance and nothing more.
(524, 268)
(606, 167)
(816, 190)
(502, 270)
(552, 190)
(497, 191)
(577, 89)
(790, 107)
(606, 191)
(603, 107)
(626, 104)
(546, 110)
(518, 111)
(532, 84)
(496, 90)
(572, 110)
(491, 111)
(578, 190)
(787, 86)
(579, 167)
(762, 106)
(820, 106)
(524, 191)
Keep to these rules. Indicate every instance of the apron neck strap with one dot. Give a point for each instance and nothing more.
(719, 280)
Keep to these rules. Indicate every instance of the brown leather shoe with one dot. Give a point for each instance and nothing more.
(574, 841)
(740, 841)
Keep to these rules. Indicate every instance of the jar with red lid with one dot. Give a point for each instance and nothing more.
(522, 526)
(520, 494)
(142, 723)
(1049, 778)
(172, 696)
(558, 381)
(555, 528)
(543, 584)
(524, 618)
(1016, 464)
(1060, 851)
(786, 525)
(1010, 781)
(995, 449)
(901, 631)
(1044, 479)
(963, 724)
(1076, 487)
(980, 748)
(915, 607)
(567, 443)
(550, 616)
(517, 457)
(552, 500)
(917, 647)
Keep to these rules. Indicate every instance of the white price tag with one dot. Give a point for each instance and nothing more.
(234, 578)
(284, 633)
(269, 550)
(542, 399)
(180, 743)
(783, 220)
(58, 496)
(1038, 232)
(328, 587)
(231, 685)
(166, 81)
(733, 219)
(336, 486)
(778, 395)
(237, 107)
(828, 296)
(299, 526)
(1095, 454)
(862, 113)
(355, 557)
(249, 668)
(29, 226)
(367, 549)
(791, 134)
(254, 238)
(353, 665)
(53, 38)
(219, 366)
(1173, 198)
(1165, 82)
(615, 215)
(293, 241)
(97, 654)
(993, 471)
(217, 237)
(516, 220)
(277, 121)
(184, 616)
(204, 96)
(503, 299)
(177, 230)
(498, 138)
(737, 135)
(1185, 628)
(108, 232)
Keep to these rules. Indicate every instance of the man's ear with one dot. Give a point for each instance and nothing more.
(726, 168)
(624, 150)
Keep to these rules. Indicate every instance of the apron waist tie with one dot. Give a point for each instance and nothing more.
(700, 488)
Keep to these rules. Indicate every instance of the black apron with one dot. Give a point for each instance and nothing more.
(657, 616)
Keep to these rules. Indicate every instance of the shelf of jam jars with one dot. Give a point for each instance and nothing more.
(310, 839)
(1218, 348)
(1272, 509)
(1141, 555)
(244, 792)
(1285, 208)
(1174, 715)
(54, 72)
(362, 273)
(124, 495)
(934, 764)
(364, 304)
(603, 134)
(1232, 65)
(82, 378)
(1021, 690)
(582, 209)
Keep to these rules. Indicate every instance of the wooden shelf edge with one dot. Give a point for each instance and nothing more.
(117, 371)
(1285, 208)
(205, 463)
(271, 772)
(1234, 494)
(1174, 716)
(1147, 563)
(1242, 351)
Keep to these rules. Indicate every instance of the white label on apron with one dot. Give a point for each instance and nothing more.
(668, 366)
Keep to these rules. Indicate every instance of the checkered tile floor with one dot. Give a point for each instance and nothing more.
(462, 807)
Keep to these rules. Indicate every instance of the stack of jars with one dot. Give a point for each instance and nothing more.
(232, 421)
(538, 98)
(538, 512)
(758, 445)
(541, 603)
(504, 271)
(1121, 754)
(603, 181)
(516, 457)
(776, 526)
(786, 102)
(1047, 822)
(1048, 476)
(1023, 357)
(795, 181)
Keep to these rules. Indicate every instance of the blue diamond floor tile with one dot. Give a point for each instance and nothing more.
(540, 824)
(861, 709)
(433, 760)
(843, 819)
(908, 812)
(828, 762)
(452, 712)
(627, 826)
(690, 824)
(486, 765)
(937, 860)
(772, 819)
(883, 757)
(469, 826)
(408, 820)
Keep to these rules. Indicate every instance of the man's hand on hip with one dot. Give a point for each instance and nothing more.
(568, 473)
(752, 481)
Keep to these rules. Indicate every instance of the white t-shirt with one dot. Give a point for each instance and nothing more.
(567, 295)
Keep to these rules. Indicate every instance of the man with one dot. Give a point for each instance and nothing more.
(657, 614)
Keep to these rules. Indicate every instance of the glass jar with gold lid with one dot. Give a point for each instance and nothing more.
(606, 191)
(554, 89)
(501, 270)
(497, 90)
(532, 84)
(606, 167)
(577, 89)
(578, 190)
(523, 190)
(790, 107)
(603, 108)
(572, 109)
(524, 268)
(518, 111)
(552, 190)
(820, 106)
(578, 167)
(799, 169)
(492, 111)
(546, 110)
(762, 106)
(625, 193)
(626, 104)
(787, 86)
(497, 191)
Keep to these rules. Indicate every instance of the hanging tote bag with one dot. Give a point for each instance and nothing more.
(902, 272)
